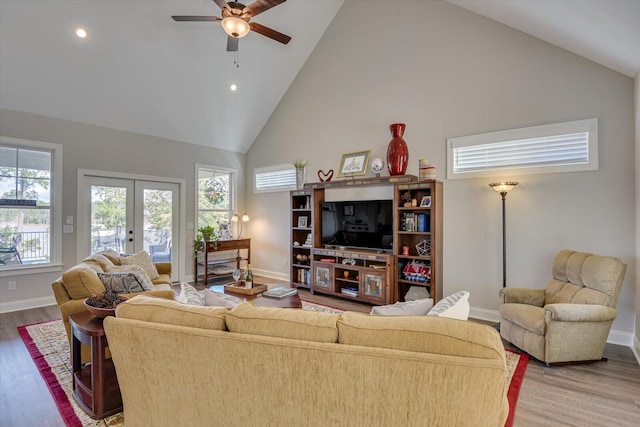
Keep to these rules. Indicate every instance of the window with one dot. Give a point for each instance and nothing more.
(215, 197)
(30, 177)
(274, 178)
(559, 147)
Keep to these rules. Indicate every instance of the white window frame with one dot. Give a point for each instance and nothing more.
(271, 169)
(589, 126)
(55, 263)
(232, 184)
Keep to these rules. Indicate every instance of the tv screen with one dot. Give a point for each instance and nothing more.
(364, 224)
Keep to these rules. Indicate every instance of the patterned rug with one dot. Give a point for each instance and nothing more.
(48, 346)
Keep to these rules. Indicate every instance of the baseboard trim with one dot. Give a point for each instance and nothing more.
(615, 337)
(271, 274)
(636, 349)
(25, 304)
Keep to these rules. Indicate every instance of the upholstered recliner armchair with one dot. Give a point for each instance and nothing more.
(569, 321)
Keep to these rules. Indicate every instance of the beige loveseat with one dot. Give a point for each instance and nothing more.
(82, 281)
(258, 366)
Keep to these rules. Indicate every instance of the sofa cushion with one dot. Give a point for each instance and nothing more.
(160, 310)
(418, 307)
(529, 317)
(420, 334)
(143, 260)
(291, 323)
(82, 281)
(137, 271)
(455, 306)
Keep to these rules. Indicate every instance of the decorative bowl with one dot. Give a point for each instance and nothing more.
(101, 312)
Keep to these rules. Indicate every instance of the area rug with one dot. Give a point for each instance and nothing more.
(48, 346)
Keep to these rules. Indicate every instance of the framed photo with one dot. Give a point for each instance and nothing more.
(354, 164)
(425, 202)
(323, 277)
(373, 285)
(302, 222)
(347, 210)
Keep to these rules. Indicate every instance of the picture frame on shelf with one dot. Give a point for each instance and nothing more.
(303, 222)
(425, 202)
(354, 164)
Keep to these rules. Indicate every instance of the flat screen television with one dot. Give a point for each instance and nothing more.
(366, 224)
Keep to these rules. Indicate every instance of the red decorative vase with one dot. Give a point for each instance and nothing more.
(397, 152)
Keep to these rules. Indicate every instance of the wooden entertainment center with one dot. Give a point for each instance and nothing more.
(370, 275)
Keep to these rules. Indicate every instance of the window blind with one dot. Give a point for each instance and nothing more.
(278, 179)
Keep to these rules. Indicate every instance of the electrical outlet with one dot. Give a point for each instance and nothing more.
(12, 285)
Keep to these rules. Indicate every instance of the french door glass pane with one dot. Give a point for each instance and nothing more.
(108, 218)
(157, 221)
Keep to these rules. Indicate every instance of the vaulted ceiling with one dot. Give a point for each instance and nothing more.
(140, 71)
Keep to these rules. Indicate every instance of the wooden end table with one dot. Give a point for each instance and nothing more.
(95, 385)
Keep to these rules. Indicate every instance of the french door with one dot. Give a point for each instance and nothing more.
(128, 216)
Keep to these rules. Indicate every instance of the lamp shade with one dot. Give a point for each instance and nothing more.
(503, 187)
(235, 26)
(245, 217)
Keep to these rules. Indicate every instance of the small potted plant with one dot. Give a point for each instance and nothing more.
(204, 234)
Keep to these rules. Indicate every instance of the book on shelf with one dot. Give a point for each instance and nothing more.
(280, 292)
(353, 292)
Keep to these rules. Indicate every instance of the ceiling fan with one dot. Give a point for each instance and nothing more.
(236, 19)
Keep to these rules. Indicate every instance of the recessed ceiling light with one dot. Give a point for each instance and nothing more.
(233, 87)
(81, 32)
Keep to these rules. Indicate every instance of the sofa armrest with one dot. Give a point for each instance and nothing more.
(578, 313)
(163, 267)
(523, 296)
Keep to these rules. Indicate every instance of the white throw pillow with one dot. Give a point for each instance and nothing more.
(190, 295)
(143, 260)
(416, 292)
(455, 306)
(409, 308)
(216, 299)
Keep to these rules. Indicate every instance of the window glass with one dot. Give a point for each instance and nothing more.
(25, 206)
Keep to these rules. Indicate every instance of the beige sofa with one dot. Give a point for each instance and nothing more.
(82, 281)
(258, 366)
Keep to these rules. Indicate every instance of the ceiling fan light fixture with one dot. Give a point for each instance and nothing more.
(235, 26)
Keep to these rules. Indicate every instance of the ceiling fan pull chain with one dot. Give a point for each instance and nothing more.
(236, 59)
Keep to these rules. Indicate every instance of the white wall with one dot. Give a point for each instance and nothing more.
(99, 148)
(447, 72)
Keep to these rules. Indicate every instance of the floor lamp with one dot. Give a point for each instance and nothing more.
(503, 188)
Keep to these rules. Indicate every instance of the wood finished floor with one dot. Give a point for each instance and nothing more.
(596, 394)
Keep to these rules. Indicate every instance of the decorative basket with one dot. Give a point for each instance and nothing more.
(424, 248)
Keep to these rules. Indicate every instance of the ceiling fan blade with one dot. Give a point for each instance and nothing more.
(259, 6)
(196, 18)
(268, 32)
(221, 3)
(232, 44)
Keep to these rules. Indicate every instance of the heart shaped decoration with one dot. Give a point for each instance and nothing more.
(325, 177)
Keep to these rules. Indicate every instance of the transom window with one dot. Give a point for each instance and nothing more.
(559, 147)
(274, 178)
